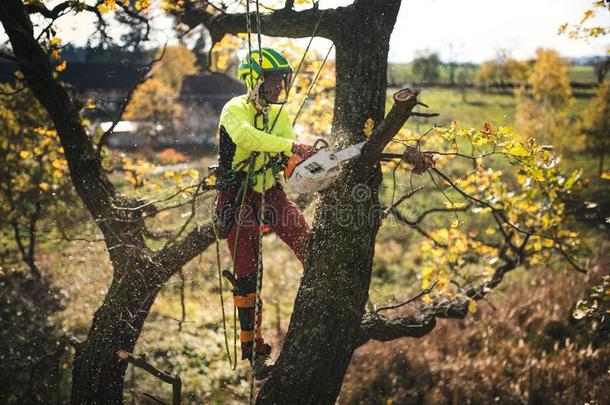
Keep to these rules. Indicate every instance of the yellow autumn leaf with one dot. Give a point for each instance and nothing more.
(223, 61)
(368, 127)
(193, 174)
(588, 14)
(142, 4)
(605, 175)
(211, 180)
(472, 307)
(55, 41)
(44, 186)
(24, 154)
(61, 67)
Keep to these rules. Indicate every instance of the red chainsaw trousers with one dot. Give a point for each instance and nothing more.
(282, 216)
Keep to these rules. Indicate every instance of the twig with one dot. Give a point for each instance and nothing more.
(141, 362)
(402, 199)
(410, 300)
(425, 115)
(182, 307)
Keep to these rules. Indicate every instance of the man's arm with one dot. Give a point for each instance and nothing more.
(236, 121)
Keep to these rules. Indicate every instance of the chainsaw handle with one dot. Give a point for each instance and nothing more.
(318, 141)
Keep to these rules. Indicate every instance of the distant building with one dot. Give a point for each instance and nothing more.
(211, 88)
(108, 83)
(202, 97)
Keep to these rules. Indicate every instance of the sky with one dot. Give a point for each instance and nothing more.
(460, 30)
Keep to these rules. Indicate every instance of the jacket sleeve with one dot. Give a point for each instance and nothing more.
(236, 121)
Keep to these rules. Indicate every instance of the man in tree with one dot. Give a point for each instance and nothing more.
(256, 137)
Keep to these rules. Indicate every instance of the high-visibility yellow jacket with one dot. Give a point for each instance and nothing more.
(239, 137)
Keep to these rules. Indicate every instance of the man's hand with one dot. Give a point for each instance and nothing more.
(303, 150)
(420, 161)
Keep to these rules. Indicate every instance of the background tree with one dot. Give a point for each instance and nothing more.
(426, 67)
(597, 123)
(543, 110)
(33, 173)
(156, 99)
(502, 72)
(175, 63)
(452, 64)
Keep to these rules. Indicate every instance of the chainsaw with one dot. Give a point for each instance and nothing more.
(318, 171)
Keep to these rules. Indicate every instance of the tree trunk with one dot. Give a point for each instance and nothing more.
(333, 292)
(98, 375)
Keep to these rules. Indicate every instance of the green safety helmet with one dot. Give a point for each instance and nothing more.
(271, 62)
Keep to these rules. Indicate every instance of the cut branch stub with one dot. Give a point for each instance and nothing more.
(404, 95)
(404, 102)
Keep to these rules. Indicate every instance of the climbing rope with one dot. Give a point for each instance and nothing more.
(232, 362)
(258, 303)
(313, 82)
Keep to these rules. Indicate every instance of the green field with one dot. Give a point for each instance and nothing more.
(472, 107)
(401, 73)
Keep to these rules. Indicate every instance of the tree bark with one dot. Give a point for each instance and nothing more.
(331, 299)
(97, 377)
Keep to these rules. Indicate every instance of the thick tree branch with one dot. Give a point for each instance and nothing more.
(375, 326)
(38, 7)
(8, 56)
(282, 23)
(404, 102)
(178, 254)
(378, 327)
